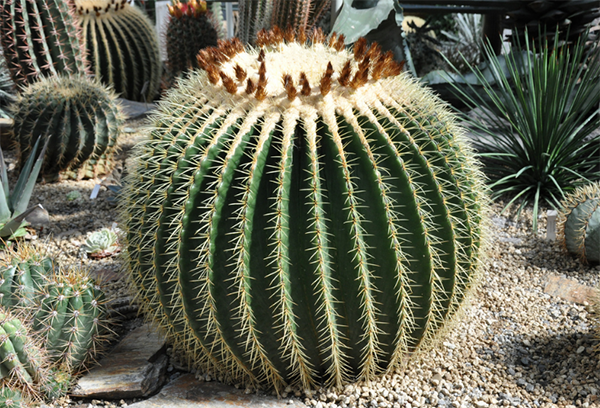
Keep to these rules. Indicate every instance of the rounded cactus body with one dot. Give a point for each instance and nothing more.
(11, 398)
(40, 38)
(301, 214)
(189, 30)
(69, 318)
(82, 118)
(579, 223)
(122, 47)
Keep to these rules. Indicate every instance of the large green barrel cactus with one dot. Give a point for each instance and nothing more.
(189, 30)
(40, 38)
(122, 47)
(302, 214)
(579, 223)
(82, 118)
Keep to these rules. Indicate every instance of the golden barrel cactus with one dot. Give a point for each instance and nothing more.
(302, 214)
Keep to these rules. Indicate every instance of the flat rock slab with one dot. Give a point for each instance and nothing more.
(568, 289)
(186, 391)
(134, 110)
(136, 367)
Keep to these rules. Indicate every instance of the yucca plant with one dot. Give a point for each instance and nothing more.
(302, 214)
(535, 116)
(14, 206)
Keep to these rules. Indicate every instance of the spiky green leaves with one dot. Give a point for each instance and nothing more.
(79, 116)
(40, 38)
(122, 47)
(312, 220)
(580, 223)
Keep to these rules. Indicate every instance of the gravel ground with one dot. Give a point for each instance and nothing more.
(513, 346)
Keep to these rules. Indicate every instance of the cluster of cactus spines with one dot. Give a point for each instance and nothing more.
(69, 318)
(257, 15)
(122, 47)
(189, 30)
(40, 38)
(301, 213)
(579, 223)
(22, 280)
(82, 118)
(22, 364)
(11, 397)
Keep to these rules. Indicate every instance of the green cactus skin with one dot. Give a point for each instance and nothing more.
(57, 384)
(21, 361)
(122, 47)
(311, 224)
(82, 118)
(21, 281)
(11, 398)
(188, 31)
(69, 318)
(579, 223)
(40, 38)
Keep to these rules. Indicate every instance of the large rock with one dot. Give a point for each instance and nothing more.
(568, 289)
(135, 368)
(187, 392)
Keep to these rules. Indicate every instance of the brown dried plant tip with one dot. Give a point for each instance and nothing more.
(360, 47)
(240, 73)
(276, 35)
(260, 92)
(262, 38)
(344, 78)
(318, 37)
(326, 80)
(304, 84)
(289, 35)
(288, 84)
(261, 56)
(230, 86)
(302, 36)
(250, 87)
(339, 45)
(374, 51)
(262, 74)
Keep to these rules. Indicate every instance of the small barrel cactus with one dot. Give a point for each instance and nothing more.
(189, 30)
(302, 214)
(82, 118)
(122, 47)
(579, 223)
(70, 317)
(11, 398)
(40, 38)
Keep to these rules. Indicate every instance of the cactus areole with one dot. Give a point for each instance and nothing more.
(302, 214)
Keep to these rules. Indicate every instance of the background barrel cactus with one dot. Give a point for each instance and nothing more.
(82, 118)
(189, 30)
(122, 47)
(301, 214)
(579, 223)
(40, 38)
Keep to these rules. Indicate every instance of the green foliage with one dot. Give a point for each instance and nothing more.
(13, 205)
(122, 47)
(40, 38)
(579, 225)
(188, 31)
(535, 117)
(57, 384)
(11, 398)
(315, 226)
(81, 119)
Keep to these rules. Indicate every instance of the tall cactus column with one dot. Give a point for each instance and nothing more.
(302, 214)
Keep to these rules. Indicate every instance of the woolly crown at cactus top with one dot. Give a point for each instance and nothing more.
(301, 213)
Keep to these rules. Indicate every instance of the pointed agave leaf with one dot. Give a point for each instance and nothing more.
(28, 178)
(4, 180)
(13, 225)
(4, 209)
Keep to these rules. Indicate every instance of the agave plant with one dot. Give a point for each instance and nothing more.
(535, 120)
(13, 206)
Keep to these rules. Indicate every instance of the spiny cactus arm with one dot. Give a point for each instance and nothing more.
(78, 337)
(7, 275)
(8, 355)
(329, 318)
(20, 342)
(53, 315)
(281, 281)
